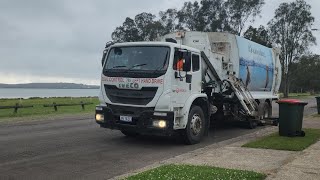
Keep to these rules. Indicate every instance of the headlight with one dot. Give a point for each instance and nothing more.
(159, 123)
(99, 117)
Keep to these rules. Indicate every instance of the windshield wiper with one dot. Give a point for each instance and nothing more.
(136, 65)
(114, 67)
(118, 67)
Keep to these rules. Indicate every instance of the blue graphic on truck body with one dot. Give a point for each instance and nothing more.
(256, 65)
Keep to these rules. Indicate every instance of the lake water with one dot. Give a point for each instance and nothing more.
(28, 92)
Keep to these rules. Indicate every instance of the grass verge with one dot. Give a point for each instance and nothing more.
(178, 172)
(316, 115)
(274, 141)
(39, 111)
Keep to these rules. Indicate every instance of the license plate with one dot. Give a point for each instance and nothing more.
(126, 118)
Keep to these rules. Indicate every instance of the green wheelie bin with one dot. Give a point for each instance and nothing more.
(290, 117)
(318, 104)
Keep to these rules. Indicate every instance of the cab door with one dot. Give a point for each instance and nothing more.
(196, 80)
(181, 85)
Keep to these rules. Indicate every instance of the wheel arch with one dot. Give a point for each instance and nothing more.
(201, 101)
(261, 107)
(205, 106)
(269, 102)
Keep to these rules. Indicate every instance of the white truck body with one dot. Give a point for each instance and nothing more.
(146, 93)
(228, 52)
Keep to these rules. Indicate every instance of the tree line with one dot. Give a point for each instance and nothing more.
(305, 74)
(290, 28)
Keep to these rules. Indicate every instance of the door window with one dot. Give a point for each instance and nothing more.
(195, 63)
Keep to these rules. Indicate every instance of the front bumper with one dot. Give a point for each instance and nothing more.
(142, 120)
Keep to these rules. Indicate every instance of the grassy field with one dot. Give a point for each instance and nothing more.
(39, 110)
(274, 141)
(186, 172)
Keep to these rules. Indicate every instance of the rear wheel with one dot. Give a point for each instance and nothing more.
(194, 131)
(266, 111)
(252, 124)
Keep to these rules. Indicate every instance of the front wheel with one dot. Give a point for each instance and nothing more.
(195, 129)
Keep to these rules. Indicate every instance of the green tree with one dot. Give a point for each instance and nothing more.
(291, 29)
(144, 27)
(148, 28)
(213, 16)
(259, 35)
(305, 74)
(209, 15)
(188, 17)
(169, 20)
(128, 32)
(240, 11)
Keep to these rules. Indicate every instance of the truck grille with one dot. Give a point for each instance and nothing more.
(128, 96)
(135, 112)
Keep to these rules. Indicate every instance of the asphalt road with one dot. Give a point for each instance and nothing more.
(76, 148)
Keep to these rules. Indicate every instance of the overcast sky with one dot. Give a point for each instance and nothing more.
(62, 40)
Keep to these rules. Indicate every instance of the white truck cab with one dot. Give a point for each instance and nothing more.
(165, 87)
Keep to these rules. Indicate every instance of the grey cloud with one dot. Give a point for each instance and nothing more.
(65, 38)
(60, 38)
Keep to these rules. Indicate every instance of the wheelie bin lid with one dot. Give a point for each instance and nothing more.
(291, 101)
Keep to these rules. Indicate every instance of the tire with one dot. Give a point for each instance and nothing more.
(129, 133)
(267, 110)
(195, 129)
(252, 124)
(275, 123)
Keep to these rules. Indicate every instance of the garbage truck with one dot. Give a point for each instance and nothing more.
(184, 82)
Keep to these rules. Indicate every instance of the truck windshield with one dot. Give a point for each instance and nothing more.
(137, 58)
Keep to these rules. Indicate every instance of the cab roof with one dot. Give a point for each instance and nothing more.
(157, 43)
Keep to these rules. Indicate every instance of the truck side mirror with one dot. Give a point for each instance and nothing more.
(108, 44)
(187, 64)
(103, 57)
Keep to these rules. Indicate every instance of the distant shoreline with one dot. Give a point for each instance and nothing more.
(43, 88)
(47, 92)
(54, 97)
(50, 86)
